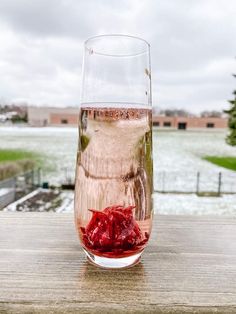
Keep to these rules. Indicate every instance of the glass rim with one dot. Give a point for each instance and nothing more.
(121, 36)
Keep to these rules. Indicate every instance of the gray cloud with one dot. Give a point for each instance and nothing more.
(46, 18)
(69, 18)
(192, 46)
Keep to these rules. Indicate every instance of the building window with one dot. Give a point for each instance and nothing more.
(64, 121)
(167, 124)
(156, 123)
(182, 125)
(210, 125)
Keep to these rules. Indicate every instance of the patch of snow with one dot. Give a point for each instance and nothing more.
(12, 206)
(67, 203)
(191, 204)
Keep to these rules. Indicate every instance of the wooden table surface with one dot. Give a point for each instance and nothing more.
(188, 267)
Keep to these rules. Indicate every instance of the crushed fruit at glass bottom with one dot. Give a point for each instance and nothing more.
(113, 232)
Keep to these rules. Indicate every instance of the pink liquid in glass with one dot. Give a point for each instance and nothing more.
(113, 192)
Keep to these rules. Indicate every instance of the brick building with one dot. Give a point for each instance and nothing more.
(50, 116)
(183, 123)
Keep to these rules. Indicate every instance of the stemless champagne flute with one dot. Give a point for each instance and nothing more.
(114, 176)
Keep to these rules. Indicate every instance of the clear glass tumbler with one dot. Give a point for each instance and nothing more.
(114, 175)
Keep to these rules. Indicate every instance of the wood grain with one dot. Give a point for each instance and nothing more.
(188, 267)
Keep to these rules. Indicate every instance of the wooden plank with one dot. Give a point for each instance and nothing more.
(189, 266)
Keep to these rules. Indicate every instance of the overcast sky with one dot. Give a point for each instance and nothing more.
(193, 48)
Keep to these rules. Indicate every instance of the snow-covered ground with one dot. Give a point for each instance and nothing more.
(178, 153)
(182, 204)
(57, 145)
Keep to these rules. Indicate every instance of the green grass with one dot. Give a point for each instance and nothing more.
(225, 162)
(8, 155)
(13, 162)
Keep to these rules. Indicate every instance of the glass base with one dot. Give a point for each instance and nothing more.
(113, 263)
